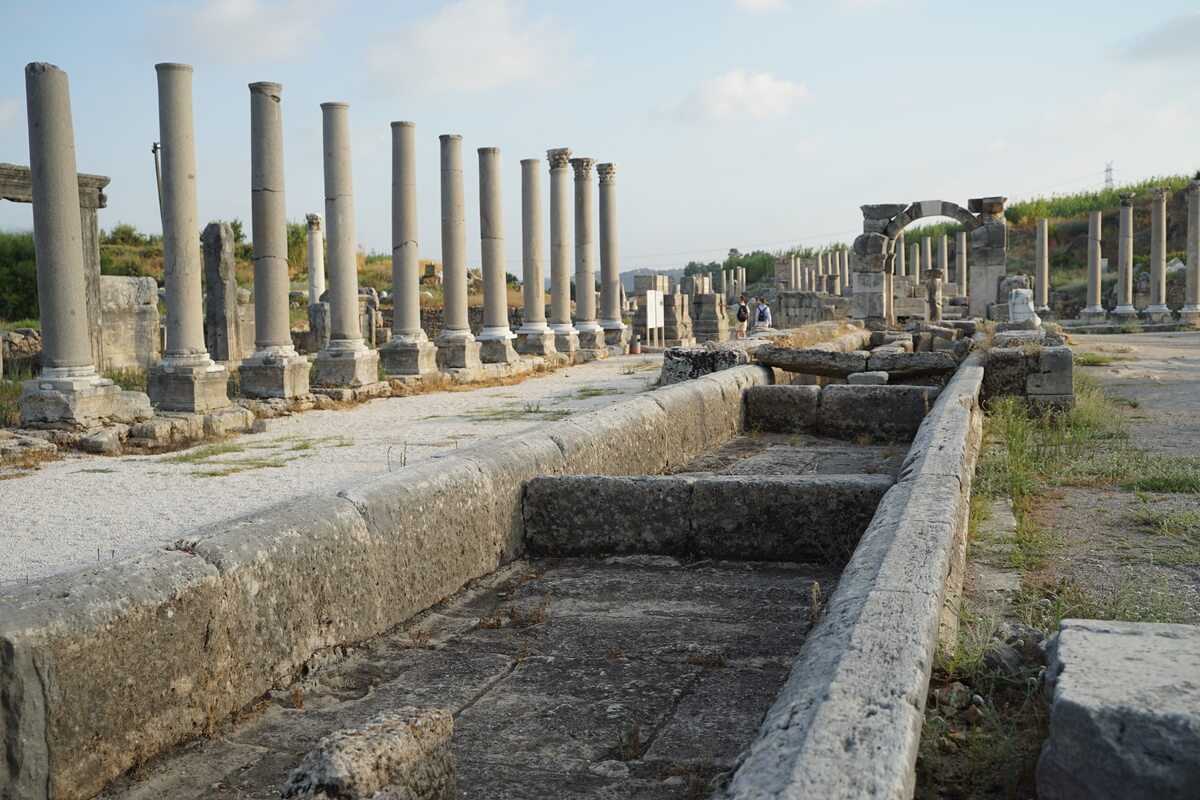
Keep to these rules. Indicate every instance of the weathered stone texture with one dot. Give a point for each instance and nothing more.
(1124, 711)
(890, 413)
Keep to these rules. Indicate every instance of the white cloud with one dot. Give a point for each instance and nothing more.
(243, 31)
(476, 46)
(760, 6)
(740, 94)
(10, 114)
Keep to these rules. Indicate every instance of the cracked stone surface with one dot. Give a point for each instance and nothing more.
(567, 678)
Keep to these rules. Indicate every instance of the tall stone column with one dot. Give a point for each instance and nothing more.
(901, 265)
(960, 257)
(833, 284)
(725, 283)
(1190, 313)
(927, 255)
(275, 369)
(68, 391)
(914, 268)
(1093, 311)
(316, 257)
(1125, 312)
(496, 338)
(457, 347)
(844, 278)
(186, 379)
(943, 257)
(566, 338)
(534, 337)
(1041, 259)
(1157, 310)
(408, 352)
(591, 335)
(347, 360)
(615, 334)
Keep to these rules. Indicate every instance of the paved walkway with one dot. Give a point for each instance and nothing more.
(83, 508)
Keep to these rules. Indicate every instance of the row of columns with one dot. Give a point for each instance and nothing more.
(188, 379)
(1157, 311)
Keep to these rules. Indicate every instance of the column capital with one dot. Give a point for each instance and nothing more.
(1126, 199)
(314, 221)
(583, 168)
(559, 157)
(1161, 192)
(607, 172)
(268, 88)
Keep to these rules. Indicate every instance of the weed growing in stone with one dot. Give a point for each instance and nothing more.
(595, 391)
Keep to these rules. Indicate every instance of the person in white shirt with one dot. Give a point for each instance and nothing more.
(762, 314)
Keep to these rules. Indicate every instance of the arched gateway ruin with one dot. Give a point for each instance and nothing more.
(875, 248)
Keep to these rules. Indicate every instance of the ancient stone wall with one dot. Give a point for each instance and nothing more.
(131, 325)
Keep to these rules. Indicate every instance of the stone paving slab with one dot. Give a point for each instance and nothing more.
(639, 678)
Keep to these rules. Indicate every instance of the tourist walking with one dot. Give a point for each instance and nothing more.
(743, 317)
(762, 315)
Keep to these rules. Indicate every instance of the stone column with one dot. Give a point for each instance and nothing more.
(591, 335)
(943, 254)
(844, 278)
(1125, 312)
(615, 334)
(725, 283)
(1190, 313)
(869, 299)
(534, 337)
(346, 361)
(186, 379)
(960, 258)
(901, 266)
(927, 255)
(933, 295)
(496, 338)
(457, 347)
(275, 369)
(914, 268)
(1093, 311)
(1041, 259)
(989, 252)
(408, 352)
(1158, 311)
(316, 258)
(566, 338)
(833, 284)
(68, 391)
(222, 331)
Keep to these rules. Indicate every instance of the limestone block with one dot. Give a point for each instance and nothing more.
(871, 378)
(130, 631)
(1055, 373)
(883, 413)
(868, 244)
(1004, 372)
(783, 409)
(403, 755)
(901, 364)
(591, 514)
(812, 361)
(274, 376)
(319, 323)
(497, 351)
(399, 357)
(882, 210)
(1124, 711)
(686, 363)
(814, 517)
(624, 439)
(42, 404)
(105, 442)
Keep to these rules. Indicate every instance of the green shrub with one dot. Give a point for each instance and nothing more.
(18, 276)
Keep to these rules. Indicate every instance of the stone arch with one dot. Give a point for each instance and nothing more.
(987, 233)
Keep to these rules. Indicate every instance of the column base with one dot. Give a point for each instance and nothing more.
(1123, 314)
(1190, 316)
(344, 365)
(566, 342)
(1158, 313)
(592, 344)
(1093, 315)
(84, 402)
(192, 387)
(267, 375)
(539, 343)
(408, 357)
(458, 354)
(497, 351)
(617, 337)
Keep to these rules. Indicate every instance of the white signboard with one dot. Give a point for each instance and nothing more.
(654, 308)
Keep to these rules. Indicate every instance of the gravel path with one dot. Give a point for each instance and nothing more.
(81, 508)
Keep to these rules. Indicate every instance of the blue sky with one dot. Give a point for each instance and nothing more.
(734, 123)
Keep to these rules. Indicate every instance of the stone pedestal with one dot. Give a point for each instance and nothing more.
(458, 354)
(346, 364)
(408, 357)
(677, 321)
(80, 402)
(711, 324)
(278, 375)
(178, 386)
